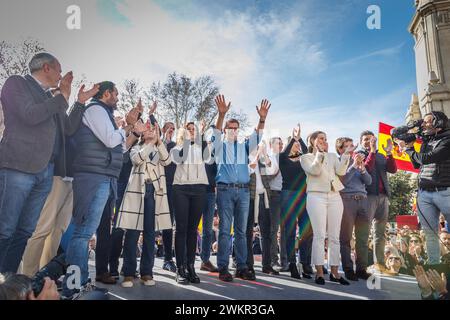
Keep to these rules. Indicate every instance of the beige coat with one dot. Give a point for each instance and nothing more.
(148, 165)
(322, 171)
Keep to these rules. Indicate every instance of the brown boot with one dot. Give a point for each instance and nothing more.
(106, 278)
(208, 266)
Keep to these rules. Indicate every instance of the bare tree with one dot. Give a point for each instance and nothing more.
(182, 99)
(130, 94)
(14, 58)
(240, 116)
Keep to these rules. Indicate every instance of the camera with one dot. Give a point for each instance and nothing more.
(408, 133)
(56, 268)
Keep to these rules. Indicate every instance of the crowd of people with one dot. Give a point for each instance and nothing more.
(68, 175)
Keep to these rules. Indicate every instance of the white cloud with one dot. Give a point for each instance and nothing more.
(242, 52)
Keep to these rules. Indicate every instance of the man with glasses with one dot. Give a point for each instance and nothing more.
(233, 195)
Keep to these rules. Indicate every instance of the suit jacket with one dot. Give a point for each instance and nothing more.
(30, 119)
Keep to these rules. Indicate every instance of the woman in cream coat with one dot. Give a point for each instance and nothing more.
(324, 203)
(144, 206)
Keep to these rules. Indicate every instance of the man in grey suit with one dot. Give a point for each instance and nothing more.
(31, 150)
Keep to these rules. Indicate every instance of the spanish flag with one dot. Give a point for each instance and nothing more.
(401, 158)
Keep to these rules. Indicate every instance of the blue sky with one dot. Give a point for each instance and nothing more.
(314, 59)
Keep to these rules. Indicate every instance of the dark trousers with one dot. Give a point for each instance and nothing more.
(264, 228)
(167, 235)
(305, 238)
(355, 216)
(109, 242)
(189, 204)
(293, 213)
(116, 233)
(132, 238)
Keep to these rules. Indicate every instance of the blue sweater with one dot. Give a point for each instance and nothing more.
(355, 182)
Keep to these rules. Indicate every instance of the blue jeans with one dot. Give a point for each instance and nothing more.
(429, 205)
(77, 250)
(132, 237)
(232, 203)
(22, 197)
(208, 234)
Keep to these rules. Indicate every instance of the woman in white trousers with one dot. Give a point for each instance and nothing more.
(324, 203)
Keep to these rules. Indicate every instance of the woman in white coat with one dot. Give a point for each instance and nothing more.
(324, 203)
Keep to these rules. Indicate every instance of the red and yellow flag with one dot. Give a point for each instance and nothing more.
(401, 158)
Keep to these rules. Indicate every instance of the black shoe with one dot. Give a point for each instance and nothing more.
(270, 270)
(363, 274)
(341, 280)
(306, 275)
(350, 275)
(320, 280)
(307, 269)
(169, 266)
(294, 271)
(245, 275)
(193, 277)
(182, 276)
(225, 275)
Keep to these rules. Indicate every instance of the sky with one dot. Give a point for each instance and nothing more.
(315, 60)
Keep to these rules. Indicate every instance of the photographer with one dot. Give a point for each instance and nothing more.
(433, 159)
(19, 287)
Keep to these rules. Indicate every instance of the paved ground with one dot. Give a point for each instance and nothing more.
(266, 287)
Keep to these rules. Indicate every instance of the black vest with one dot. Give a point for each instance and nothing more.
(435, 174)
(92, 155)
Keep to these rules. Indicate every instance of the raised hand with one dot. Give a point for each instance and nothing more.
(133, 116)
(221, 104)
(438, 282)
(65, 85)
(319, 146)
(373, 144)
(84, 96)
(139, 127)
(152, 108)
(139, 106)
(263, 110)
(296, 133)
(389, 147)
(158, 134)
(422, 281)
(350, 149)
(120, 122)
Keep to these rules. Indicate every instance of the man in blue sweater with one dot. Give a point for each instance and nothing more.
(354, 197)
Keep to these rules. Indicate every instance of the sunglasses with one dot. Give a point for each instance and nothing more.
(394, 258)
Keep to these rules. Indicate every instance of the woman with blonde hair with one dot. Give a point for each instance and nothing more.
(144, 207)
(324, 203)
(189, 188)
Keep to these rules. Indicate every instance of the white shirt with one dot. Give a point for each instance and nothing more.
(97, 119)
(277, 182)
(192, 170)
